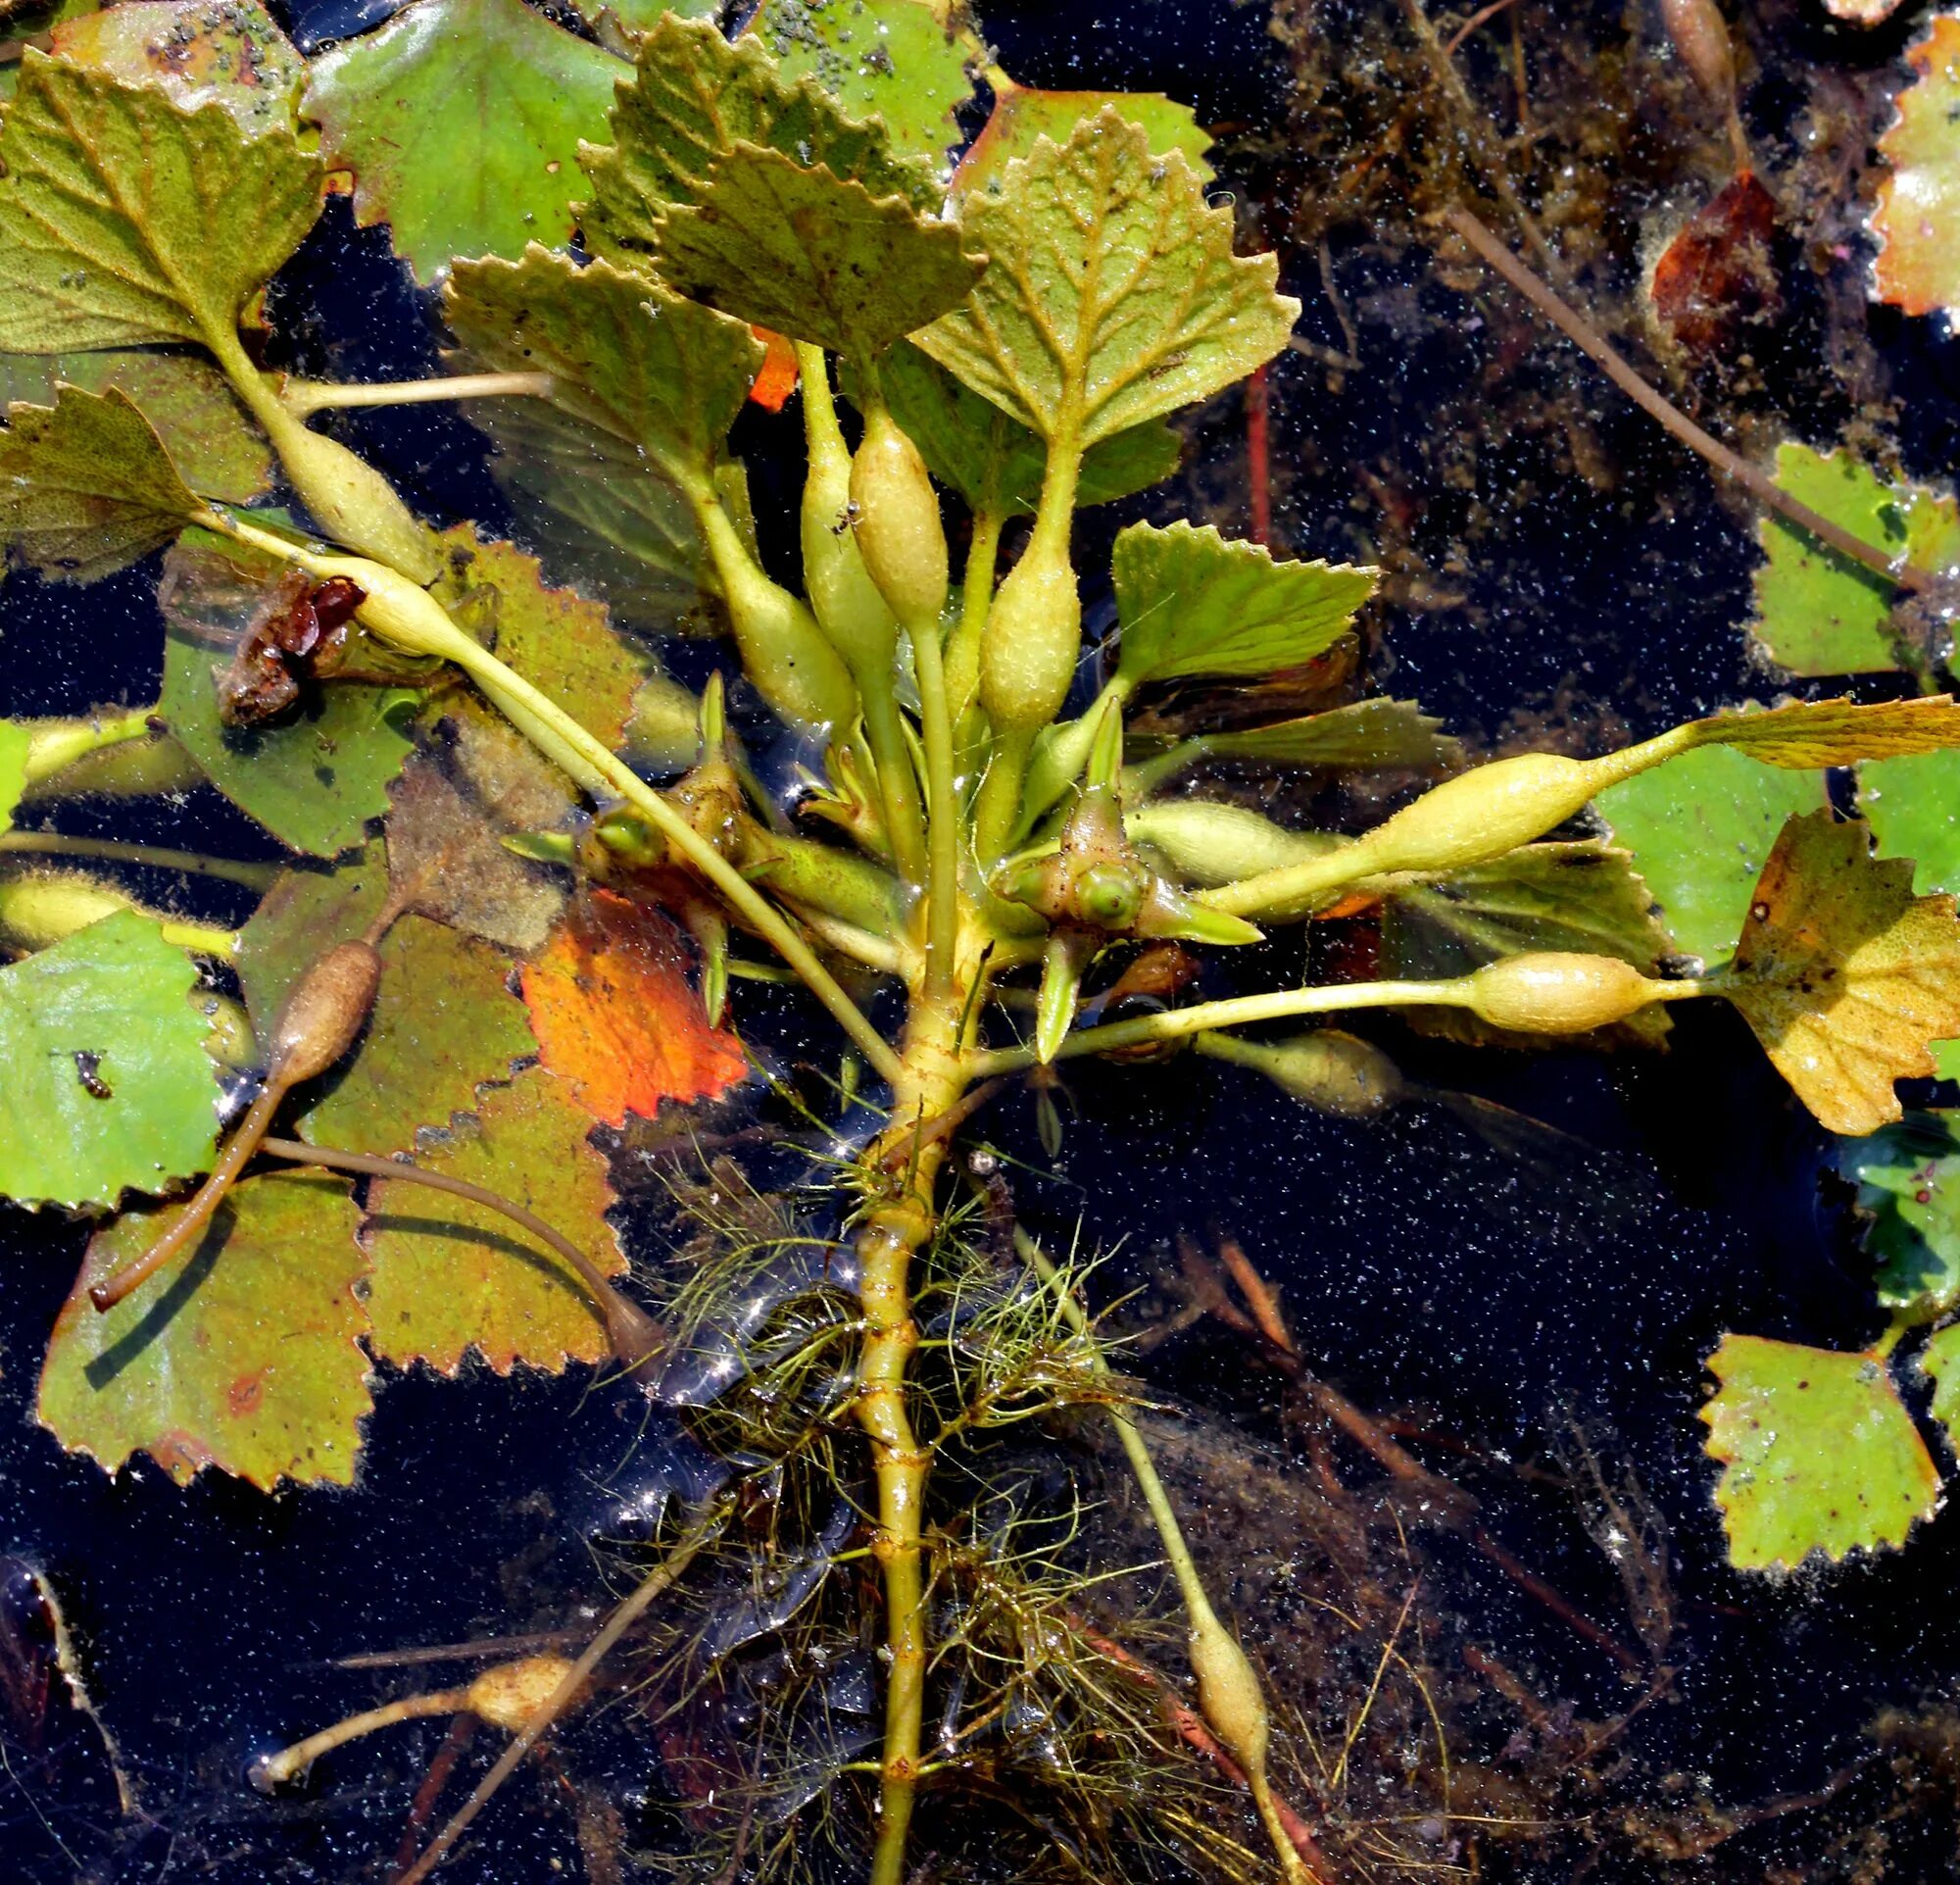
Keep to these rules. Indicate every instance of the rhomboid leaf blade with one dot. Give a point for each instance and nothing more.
(86, 486)
(1843, 974)
(110, 1003)
(1112, 295)
(1818, 1453)
(692, 96)
(244, 1355)
(809, 255)
(126, 220)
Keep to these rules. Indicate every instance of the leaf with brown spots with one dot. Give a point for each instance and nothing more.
(245, 1357)
(1843, 974)
(615, 1014)
(448, 1275)
(444, 1024)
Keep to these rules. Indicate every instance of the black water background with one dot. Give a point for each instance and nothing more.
(1422, 1266)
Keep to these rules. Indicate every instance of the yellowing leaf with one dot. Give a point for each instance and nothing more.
(444, 1022)
(244, 1355)
(614, 1013)
(1818, 612)
(110, 1003)
(1193, 602)
(1817, 1451)
(694, 96)
(1112, 295)
(1022, 114)
(1914, 808)
(1918, 212)
(811, 256)
(1835, 732)
(86, 486)
(901, 60)
(462, 120)
(126, 220)
(1843, 974)
(450, 1275)
(224, 52)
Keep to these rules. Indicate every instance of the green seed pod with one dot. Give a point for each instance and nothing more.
(1482, 813)
(1034, 634)
(129, 770)
(848, 606)
(1229, 1694)
(663, 731)
(350, 500)
(1545, 993)
(42, 908)
(1331, 1071)
(894, 513)
(785, 653)
(328, 1006)
(1203, 842)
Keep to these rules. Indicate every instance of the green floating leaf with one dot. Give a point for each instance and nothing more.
(904, 60)
(1818, 1453)
(1818, 612)
(1908, 1178)
(315, 780)
(224, 52)
(1582, 898)
(636, 17)
(111, 1003)
(1911, 804)
(444, 1024)
(811, 256)
(450, 1276)
(126, 220)
(308, 909)
(216, 448)
(1844, 974)
(1112, 295)
(1191, 602)
(693, 97)
(1918, 203)
(1803, 734)
(1936, 1362)
(86, 486)
(461, 121)
(14, 742)
(994, 462)
(245, 1356)
(1023, 115)
(1702, 828)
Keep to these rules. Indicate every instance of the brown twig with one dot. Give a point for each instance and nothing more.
(1480, 17)
(462, 1731)
(1730, 464)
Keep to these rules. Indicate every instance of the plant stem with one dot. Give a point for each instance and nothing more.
(1751, 478)
(599, 771)
(930, 1085)
(655, 1584)
(996, 816)
(1208, 1633)
(1240, 1009)
(942, 819)
(275, 1771)
(305, 397)
(58, 844)
(976, 595)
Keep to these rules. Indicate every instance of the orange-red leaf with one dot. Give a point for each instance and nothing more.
(614, 1015)
(777, 381)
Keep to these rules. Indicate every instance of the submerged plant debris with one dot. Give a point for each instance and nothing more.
(978, 947)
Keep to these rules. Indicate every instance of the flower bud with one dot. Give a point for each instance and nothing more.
(1203, 842)
(1480, 815)
(894, 513)
(350, 500)
(1545, 993)
(850, 608)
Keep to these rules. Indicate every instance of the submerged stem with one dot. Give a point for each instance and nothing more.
(153, 857)
(305, 397)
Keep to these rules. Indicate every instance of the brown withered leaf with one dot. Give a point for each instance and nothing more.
(1843, 974)
(1718, 275)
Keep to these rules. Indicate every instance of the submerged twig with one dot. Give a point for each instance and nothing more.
(1730, 462)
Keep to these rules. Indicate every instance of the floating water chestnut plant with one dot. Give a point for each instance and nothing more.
(492, 778)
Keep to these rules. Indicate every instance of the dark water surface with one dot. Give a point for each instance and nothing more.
(1425, 1264)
